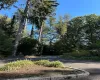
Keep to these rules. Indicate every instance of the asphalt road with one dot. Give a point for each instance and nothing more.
(92, 67)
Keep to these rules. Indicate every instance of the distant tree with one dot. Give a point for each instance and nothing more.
(49, 31)
(61, 26)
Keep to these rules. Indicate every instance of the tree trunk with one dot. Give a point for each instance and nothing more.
(40, 34)
(22, 25)
(32, 32)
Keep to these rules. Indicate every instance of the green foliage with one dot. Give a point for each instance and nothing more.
(49, 64)
(95, 45)
(6, 3)
(28, 46)
(27, 63)
(8, 26)
(42, 9)
(42, 62)
(56, 64)
(49, 32)
(5, 44)
(62, 46)
(78, 53)
(7, 34)
(82, 33)
(59, 48)
(91, 27)
(61, 26)
(16, 65)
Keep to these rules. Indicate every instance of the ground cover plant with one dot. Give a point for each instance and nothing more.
(27, 68)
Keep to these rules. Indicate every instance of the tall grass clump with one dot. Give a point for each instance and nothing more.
(47, 63)
(16, 65)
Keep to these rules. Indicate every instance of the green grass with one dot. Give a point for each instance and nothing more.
(42, 62)
(56, 64)
(47, 63)
(27, 63)
(16, 65)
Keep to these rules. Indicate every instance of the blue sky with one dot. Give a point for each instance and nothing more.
(78, 7)
(72, 7)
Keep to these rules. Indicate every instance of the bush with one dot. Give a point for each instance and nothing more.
(42, 62)
(95, 52)
(95, 48)
(27, 46)
(49, 64)
(56, 64)
(78, 53)
(16, 65)
(62, 46)
(48, 50)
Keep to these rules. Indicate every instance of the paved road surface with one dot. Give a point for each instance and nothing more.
(90, 66)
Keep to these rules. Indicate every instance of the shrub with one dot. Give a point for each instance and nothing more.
(78, 53)
(42, 62)
(28, 46)
(56, 64)
(16, 65)
(49, 64)
(95, 48)
(62, 46)
(48, 50)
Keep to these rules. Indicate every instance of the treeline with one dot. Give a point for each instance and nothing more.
(62, 36)
(82, 38)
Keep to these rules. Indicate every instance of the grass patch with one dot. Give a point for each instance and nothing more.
(56, 64)
(16, 65)
(42, 62)
(47, 63)
(27, 68)
(27, 63)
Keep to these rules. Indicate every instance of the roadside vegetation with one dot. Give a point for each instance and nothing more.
(27, 68)
(17, 65)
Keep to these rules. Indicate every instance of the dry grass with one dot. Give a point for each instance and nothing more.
(33, 71)
(27, 68)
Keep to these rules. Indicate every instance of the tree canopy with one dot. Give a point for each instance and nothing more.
(4, 4)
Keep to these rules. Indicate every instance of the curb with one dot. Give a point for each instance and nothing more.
(63, 77)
